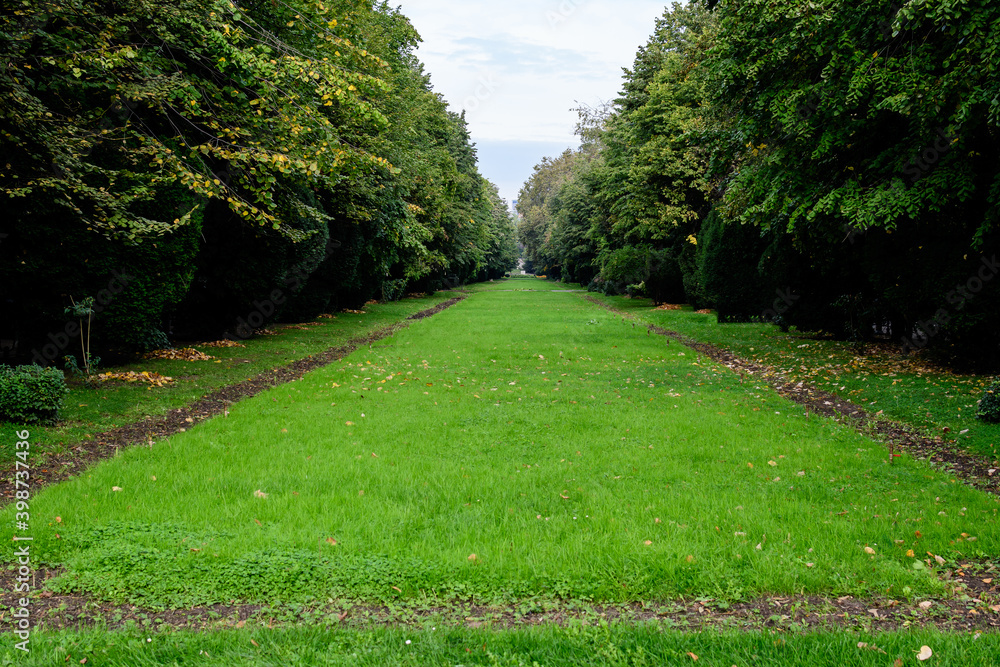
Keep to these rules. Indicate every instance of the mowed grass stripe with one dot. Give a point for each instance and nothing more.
(519, 444)
(631, 645)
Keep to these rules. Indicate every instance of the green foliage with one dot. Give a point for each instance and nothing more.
(623, 207)
(866, 134)
(217, 153)
(534, 204)
(31, 394)
(849, 151)
(626, 265)
(989, 404)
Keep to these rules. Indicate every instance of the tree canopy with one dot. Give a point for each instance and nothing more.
(843, 152)
(216, 149)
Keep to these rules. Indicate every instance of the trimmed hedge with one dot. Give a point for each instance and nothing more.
(31, 394)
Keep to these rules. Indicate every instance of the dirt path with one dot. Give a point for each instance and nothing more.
(972, 469)
(973, 607)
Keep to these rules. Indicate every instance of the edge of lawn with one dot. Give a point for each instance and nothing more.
(973, 468)
(164, 417)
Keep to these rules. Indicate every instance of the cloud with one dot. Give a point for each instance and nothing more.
(518, 68)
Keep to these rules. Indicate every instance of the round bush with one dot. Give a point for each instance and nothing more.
(31, 394)
(989, 404)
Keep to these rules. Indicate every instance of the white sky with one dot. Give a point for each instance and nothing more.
(518, 67)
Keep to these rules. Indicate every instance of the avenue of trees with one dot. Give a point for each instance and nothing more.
(185, 163)
(828, 165)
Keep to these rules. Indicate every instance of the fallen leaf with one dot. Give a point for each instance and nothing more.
(116, 488)
(255, 643)
(332, 541)
(59, 520)
(348, 423)
(940, 561)
(869, 550)
(926, 604)
(648, 542)
(692, 655)
(772, 463)
(925, 653)
(260, 494)
(910, 554)
(473, 557)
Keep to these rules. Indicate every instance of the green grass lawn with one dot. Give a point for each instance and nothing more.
(518, 445)
(904, 388)
(91, 409)
(636, 646)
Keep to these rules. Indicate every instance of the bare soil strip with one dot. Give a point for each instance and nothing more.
(973, 607)
(81, 455)
(964, 465)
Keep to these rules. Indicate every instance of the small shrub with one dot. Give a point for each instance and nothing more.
(989, 404)
(31, 394)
